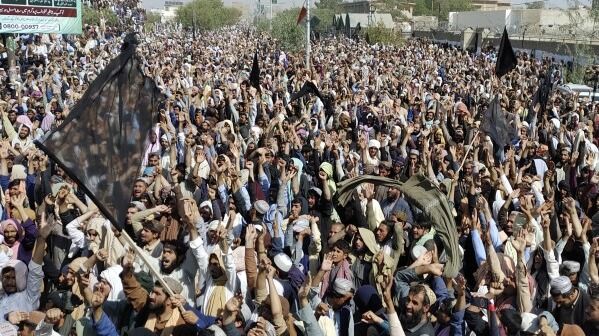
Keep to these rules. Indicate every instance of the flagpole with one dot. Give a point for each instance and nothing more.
(467, 151)
(270, 22)
(308, 47)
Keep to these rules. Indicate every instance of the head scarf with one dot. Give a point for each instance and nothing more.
(299, 164)
(367, 298)
(152, 147)
(218, 296)
(20, 273)
(328, 169)
(105, 240)
(11, 222)
(112, 276)
(296, 277)
(269, 219)
(17, 244)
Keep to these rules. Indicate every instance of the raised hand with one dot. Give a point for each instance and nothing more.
(519, 242)
(102, 255)
(386, 283)
(189, 317)
(515, 193)
(368, 190)
(17, 201)
(162, 208)
(128, 259)
(234, 303)
(570, 204)
(460, 285)
(289, 175)
(271, 272)
(264, 264)
(305, 289)
(54, 315)
(45, 227)
(371, 318)
(327, 263)
(191, 212)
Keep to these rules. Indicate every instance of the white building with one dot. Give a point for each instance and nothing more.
(162, 4)
(527, 21)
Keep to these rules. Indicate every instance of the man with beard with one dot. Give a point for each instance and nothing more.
(414, 315)
(220, 279)
(363, 254)
(244, 126)
(22, 136)
(183, 265)
(156, 310)
(395, 203)
(591, 323)
(389, 237)
(21, 283)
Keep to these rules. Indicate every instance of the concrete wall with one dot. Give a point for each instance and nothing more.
(424, 22)
(560, 49)
(530, 21)
(493, 19)
(159, 4)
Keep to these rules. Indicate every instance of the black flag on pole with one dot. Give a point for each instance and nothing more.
(101, 142)
(340, 24)
(307, 88)
(255, 73)
(347, 26)
(495, 125)
(506, 59)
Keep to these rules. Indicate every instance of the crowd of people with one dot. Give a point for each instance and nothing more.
(235, 209)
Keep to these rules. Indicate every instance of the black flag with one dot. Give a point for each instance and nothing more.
(540, 97)
(340, 24)
(307, 88)
(101, 142)
(495, 125)
(506, 59)
(255, 73)
(347, 25)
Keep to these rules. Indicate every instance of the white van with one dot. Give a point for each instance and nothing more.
(583, 91)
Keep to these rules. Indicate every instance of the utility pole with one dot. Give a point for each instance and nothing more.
(308, 47)
(193, 20)
(270, 21)
(10, 45)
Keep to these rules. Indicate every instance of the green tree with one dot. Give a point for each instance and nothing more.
(439, 8)
(325, 15)
(578, 36)
(151, 19)
(285, 29)
(334, 5)
(393, 7)
(93, 16)
(380, 34)
(207, 15)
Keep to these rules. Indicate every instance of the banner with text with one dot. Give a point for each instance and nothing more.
(40, 16)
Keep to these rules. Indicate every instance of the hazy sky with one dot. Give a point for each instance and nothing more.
(558, 3)
(298, 3)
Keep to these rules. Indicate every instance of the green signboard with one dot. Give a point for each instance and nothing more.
(40, 16)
